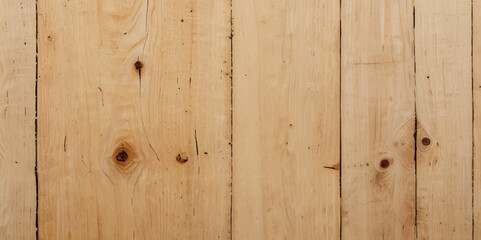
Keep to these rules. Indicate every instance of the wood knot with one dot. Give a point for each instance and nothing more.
(182, 157)
(138, 65)
(384, 164)
(122, 156)
(426, 141)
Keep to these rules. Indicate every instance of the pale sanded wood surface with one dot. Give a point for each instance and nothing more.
(444, 113)
(378, 120)
(134, 151)
(230, 119)
(17, 120)
(286, 120)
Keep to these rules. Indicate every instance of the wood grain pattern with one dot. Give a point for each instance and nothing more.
(133, 150)
(286, 119)
(17, 120)
(476, 50)
(240, 119)
(378, 120)
(444, 110)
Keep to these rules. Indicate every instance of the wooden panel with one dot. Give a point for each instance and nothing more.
(444, 111)
(476, 50)
(378, 120)
(17, 120)
(286, 119)
(133, 149)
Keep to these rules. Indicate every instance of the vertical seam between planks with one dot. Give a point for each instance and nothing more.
(340, 119)
(415, 128)
(472, 120)
(36, 114)
(231, 119)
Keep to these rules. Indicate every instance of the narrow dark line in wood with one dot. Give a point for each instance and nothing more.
(340, 119)
(472, 120)
(146, 26)
(36, 115)
(415, 169)
(138, 65)
(196, 143)
(415, 128)
(231, 116)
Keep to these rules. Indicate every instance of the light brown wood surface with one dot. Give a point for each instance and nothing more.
(444, 113)
(240, 119)
(378, 120)
(95, 107)
(476, 50)
(17, 120)
(286, 120)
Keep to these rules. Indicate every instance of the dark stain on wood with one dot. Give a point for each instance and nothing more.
(182, 157)
(334, 167)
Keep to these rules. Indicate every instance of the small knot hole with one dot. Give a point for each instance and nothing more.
(384, 164)
(138, 65)
(122, 156)
(426, 141)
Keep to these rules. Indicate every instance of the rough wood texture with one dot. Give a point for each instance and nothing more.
(444, 110)
(127, 149)
(378, 120)
(286, 119)
(17, 120)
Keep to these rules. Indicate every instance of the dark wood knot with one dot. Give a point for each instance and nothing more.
(426, 141)
(122, 156)
(384, 164)
(138, 65)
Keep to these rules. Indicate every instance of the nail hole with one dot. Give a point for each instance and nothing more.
(426, 141)
(138, 65)
(122, 156)
(384, 163)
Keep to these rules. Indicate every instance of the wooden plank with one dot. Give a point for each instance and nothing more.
(476, 50)
(444, 111)
(378, 120)
(286, 119)
(17, 120)
(134, 119)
